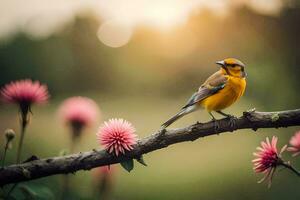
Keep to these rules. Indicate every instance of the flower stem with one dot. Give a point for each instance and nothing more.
(76, 133)
(290, 167)
(73, 145)
(65, 186)
(23, 128)
(24, 121)
(4, 154)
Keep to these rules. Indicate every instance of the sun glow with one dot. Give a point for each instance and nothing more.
(161, 14)
(40, 19)
(114, 34)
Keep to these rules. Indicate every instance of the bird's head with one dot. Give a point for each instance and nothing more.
(233, 67)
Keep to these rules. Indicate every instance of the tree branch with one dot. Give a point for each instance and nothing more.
(161, 139)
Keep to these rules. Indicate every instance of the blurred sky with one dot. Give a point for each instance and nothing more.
(41, 18)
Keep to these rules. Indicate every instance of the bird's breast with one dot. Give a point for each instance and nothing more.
(224, 98)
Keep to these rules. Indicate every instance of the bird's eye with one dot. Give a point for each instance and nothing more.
(231, 65)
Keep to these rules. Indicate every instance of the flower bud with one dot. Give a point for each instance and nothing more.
(9, 135)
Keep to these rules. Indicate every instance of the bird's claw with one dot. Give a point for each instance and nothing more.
(216, 125)
(232, 121)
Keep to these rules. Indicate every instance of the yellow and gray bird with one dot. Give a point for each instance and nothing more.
(218, 92)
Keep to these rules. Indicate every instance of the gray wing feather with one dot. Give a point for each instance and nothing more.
(214, 83)
(197, 96)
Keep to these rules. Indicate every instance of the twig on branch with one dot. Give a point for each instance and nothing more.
(161, 139)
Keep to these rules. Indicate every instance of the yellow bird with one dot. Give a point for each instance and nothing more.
(218, 92)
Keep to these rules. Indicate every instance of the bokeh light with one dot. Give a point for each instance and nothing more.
(51, 16)
(114, 34)
(269, 7)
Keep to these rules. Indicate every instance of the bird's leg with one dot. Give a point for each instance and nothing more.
(224, 114)
(215, 121)
(231, 118)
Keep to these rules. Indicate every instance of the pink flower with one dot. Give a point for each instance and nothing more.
(104, 171)
(117, 135)
(295, 144)
(25, 93)
(103, 178)
(79, 112)
(267, 159)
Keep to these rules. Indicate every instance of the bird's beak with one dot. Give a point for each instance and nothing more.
(244, 74)
(222, 63)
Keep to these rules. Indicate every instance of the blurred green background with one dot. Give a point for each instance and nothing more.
(141, 61)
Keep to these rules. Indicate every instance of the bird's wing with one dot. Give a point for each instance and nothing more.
(213, 84)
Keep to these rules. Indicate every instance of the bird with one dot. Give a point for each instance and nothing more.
(219, 91)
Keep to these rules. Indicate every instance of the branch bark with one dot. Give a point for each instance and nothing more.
(161, 139)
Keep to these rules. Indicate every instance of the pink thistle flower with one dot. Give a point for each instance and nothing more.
(103, 172)
(295, 144)
(117, 135)
(25, 93)
(267, 159)
(103, 178)
(79, 112)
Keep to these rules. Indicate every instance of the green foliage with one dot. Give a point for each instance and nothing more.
(2, 194)
(128, 165)
(28, 193)
(141, 160)
(33, 192)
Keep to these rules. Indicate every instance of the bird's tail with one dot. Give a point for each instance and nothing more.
(172, 120)
(180, 114)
